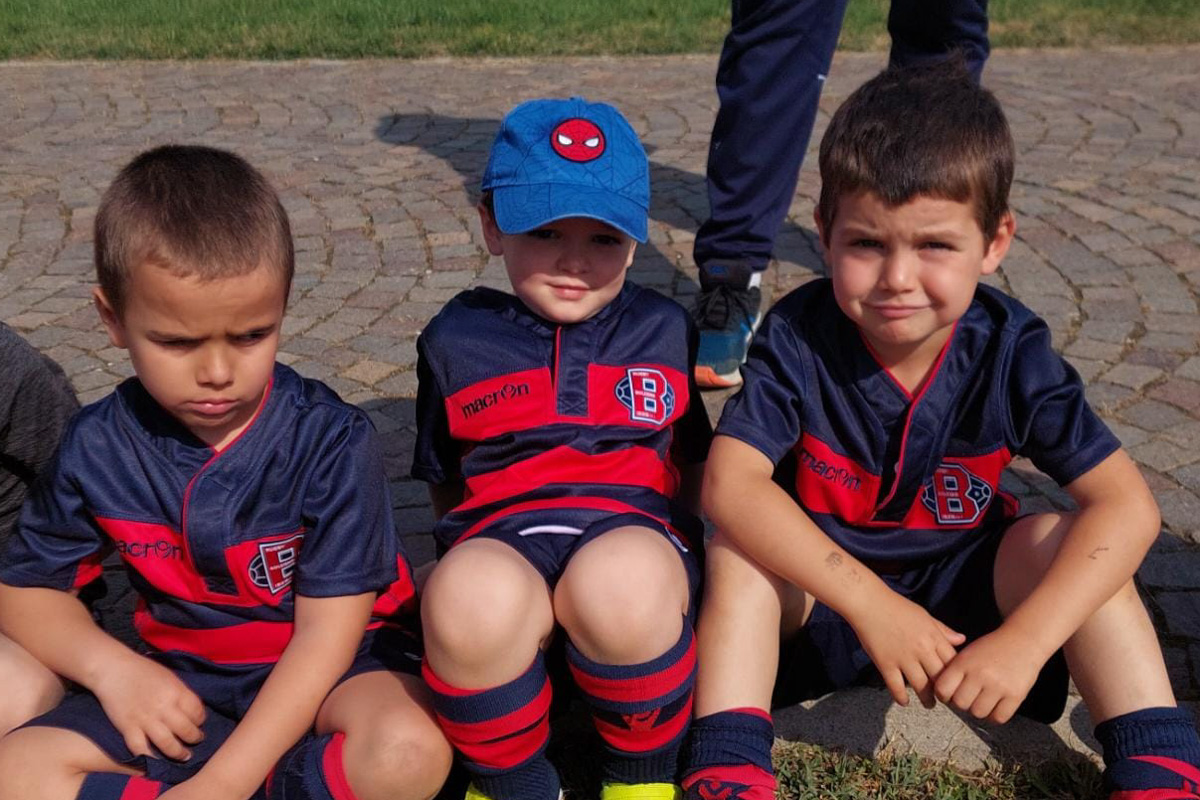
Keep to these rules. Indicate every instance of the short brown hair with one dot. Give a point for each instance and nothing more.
(197, 211)
(927, 130)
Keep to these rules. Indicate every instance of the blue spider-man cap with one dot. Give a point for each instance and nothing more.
(554, 159)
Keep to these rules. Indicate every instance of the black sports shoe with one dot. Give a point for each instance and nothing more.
(727, 312)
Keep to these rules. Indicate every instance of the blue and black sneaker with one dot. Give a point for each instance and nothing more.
(727, 312)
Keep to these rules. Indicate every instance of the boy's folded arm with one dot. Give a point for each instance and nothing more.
(1108, 537)
(327, 633)
(904, 641)
(146, 702)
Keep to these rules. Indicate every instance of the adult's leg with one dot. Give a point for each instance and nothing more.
(925, 31)
(769, 78)
(486, 614)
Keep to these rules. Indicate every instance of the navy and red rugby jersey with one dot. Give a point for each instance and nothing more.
(593, 417)
(218, 544)
(901, 479)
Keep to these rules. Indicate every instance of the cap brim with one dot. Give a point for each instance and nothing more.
(522, 208)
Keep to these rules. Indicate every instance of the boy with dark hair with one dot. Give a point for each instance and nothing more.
(250, 508)
(36, 402)
(563, 440)
(880, 406)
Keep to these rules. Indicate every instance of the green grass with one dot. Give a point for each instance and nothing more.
(277, 29)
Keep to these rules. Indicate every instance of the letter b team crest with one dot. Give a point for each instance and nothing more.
(647, 394)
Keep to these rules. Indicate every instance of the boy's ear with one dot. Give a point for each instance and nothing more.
(997, 248)
(491, 233)
(110, 318)
(821, 234)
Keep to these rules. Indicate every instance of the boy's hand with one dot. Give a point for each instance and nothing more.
(907, 645)
(991, 676)
(151, 707)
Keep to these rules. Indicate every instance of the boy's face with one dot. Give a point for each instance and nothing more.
(204, 351)
(566, 270)
(905, 274)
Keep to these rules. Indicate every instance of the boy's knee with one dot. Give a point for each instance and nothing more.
(398, 758)
(622, 592)
(484, 601)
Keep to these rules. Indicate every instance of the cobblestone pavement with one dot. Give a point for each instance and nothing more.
(377, 162)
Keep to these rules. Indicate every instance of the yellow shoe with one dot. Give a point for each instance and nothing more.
(640, 791)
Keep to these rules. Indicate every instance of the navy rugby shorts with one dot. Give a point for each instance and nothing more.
(826, 655)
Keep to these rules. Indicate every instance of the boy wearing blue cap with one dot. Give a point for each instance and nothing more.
(563, 439)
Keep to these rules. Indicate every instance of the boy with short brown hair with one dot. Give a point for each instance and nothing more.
(880, 406)
(250, 508)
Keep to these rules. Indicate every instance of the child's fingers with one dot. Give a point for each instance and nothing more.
(966, 693)
(137, 742)
(193, 707)
(952, 636)
(947, 682)
(1005, 710)
(184, 729)
(985, 703)
(893, 679)
(167, 743)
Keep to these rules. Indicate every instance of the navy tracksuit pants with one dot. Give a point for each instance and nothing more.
(769, 79)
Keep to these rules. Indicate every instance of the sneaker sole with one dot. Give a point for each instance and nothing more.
(707, 378)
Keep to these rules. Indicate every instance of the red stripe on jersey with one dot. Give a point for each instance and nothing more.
(248, 643)
(514, 402)
(401, 595)
(139, 788)
(571, 503)
(157, 553)
(644, 740)
(641, 688)
(652, 395)
(830, 483)
(87, 570)
(631, 466)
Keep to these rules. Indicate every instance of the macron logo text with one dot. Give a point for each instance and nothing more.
(486, 401)
(830, 472)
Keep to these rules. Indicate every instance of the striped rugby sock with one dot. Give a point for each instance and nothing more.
(501, 733)
(641, 711)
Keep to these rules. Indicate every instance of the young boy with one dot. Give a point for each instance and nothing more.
(36, 402)
(563, 441)
(880, 406)
(250, 508)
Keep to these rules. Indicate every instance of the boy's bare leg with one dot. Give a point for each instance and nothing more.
(623, 601)
(50, 764)
(29, 688)
(486, 615)
(394, 749)
(745, 613)
(1151, 748)
(1114, 657)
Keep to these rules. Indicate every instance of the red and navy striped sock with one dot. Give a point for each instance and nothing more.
(1149, 750)
(729, 757)
(501, 733)
(111, 786)
(311, 770)
(641, 711)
